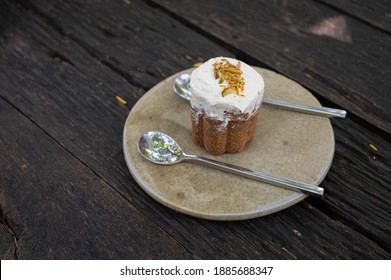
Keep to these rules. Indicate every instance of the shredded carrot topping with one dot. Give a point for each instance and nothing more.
(121, 100)
(373, 147)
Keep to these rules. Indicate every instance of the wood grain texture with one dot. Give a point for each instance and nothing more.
(338, 57)
(115, 35)
(358, 185)
(77, 89)
(63, 79)
(8, 240)
(376, 13)
(57, 207)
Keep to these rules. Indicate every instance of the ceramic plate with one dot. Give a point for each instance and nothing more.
(288, 144)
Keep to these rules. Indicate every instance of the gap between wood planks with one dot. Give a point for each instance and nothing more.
(3, 216)
(65, 148)
(4, 221)
(55, 55)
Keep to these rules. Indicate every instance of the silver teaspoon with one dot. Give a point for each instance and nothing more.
(160, 148)
(182, 88)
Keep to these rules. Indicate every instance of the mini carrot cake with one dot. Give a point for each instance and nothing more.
(225, 102)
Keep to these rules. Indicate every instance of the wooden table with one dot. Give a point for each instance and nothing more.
(65, 190)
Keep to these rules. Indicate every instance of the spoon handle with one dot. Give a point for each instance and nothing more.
(263, 177)
(320, 111)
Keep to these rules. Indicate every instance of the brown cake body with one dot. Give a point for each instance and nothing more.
(230, 135)
(225, 103)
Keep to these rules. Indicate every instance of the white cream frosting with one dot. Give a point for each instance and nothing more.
(206, 93)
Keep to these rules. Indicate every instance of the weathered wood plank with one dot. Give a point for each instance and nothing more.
(338, 57)
(66, 82)
(358, 186)
(115, 35)
(69, 80)
(7, 241)
(60, 209)
(376, 13)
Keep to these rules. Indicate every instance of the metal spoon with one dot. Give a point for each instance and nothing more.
(182, 88)
(162, 149)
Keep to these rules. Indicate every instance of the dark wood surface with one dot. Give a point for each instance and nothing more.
(66, 192)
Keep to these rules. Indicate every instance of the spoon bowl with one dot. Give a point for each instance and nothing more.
(160, 148)
(182, 88)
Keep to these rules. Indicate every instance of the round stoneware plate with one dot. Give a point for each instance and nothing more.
(287, 144)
